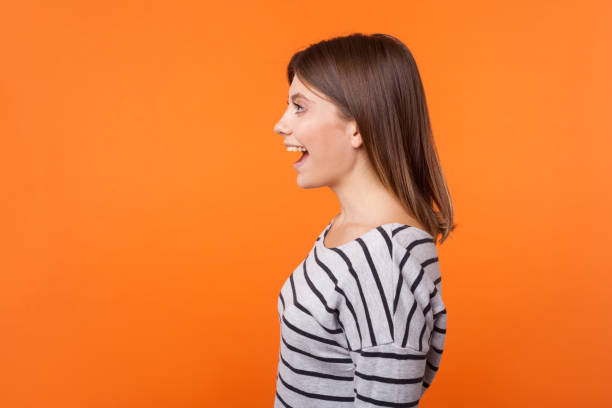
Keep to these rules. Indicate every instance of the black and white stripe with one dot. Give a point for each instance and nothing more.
(362, 324)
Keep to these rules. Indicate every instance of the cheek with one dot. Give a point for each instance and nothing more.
(318, 137)
(328, 156)
(323, 141)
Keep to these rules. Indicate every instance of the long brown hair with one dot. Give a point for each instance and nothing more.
(374, 80)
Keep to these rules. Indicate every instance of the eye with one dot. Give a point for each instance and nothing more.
(297, 106)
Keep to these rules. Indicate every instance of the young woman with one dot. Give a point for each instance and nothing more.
(362, 318)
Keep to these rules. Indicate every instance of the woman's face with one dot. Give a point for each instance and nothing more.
(332, 143)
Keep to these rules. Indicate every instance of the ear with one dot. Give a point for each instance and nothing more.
(355, 136)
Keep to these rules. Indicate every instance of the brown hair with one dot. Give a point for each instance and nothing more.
(374, 80)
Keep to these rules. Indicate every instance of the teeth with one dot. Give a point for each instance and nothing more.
(296, 149)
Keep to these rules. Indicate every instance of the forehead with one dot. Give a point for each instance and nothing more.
(299, 87)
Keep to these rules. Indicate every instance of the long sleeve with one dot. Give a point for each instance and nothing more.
(388, 375)
(436, 346)
(362, 324)
(396, 370)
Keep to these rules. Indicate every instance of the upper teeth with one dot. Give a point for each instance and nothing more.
(296, 149)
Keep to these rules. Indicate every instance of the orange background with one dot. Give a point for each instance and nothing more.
(150, 215)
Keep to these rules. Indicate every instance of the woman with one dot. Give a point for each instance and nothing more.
(362, 318)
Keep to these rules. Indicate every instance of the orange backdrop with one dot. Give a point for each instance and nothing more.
(150, 214)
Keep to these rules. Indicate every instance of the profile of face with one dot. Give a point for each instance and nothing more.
(334, 144)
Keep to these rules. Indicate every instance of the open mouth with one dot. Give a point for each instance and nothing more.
(302, 157)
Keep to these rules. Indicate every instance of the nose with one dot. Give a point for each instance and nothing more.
(281, 129)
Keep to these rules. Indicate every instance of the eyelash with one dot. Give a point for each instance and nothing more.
(298, 107)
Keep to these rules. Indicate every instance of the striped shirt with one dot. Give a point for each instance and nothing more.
(362, 324)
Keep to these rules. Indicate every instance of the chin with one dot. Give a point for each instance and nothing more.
(303, 182)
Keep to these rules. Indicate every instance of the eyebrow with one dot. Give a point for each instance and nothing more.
(298, 95)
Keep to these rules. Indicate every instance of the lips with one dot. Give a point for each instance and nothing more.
(301, 161)
(303, 157)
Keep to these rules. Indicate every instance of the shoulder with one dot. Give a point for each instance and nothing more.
(390, 292)
(396, 244)
(416, 253)
(415, 241)
(416, 256)
(385, 247)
